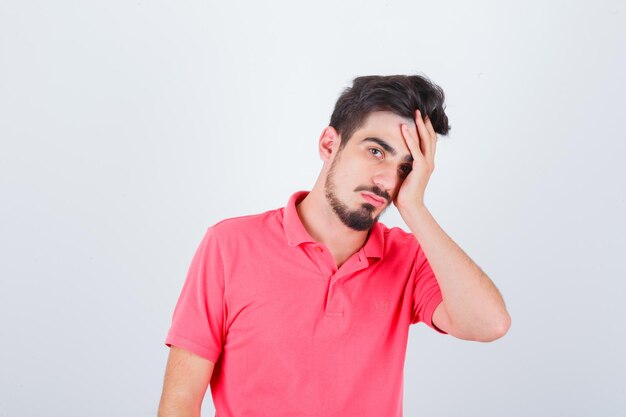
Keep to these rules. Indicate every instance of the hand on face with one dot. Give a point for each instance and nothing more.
(421, 140)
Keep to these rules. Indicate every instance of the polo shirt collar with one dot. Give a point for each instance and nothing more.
(373, 248)
(294, 229)
(296, 233)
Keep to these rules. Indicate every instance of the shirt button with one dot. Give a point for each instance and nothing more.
(318, 249)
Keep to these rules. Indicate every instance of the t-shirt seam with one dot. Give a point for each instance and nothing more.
(223, 265)
(174, 335)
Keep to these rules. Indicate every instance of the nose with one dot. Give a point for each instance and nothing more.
(387, 179)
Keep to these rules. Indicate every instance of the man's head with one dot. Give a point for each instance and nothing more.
(364, 148)
(398, 94)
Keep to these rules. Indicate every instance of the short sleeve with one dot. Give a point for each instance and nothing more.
(198, 319)
(426, 291)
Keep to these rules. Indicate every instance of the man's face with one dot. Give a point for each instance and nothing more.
(365, 176)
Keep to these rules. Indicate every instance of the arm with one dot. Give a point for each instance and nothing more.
(472, 307)
(186, 379)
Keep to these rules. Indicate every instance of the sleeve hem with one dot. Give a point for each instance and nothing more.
(211, 354)
(431, 306)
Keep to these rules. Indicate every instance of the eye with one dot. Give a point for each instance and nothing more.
(376, 152)
(405, 169)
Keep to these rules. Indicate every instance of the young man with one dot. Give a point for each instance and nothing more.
(305, 310)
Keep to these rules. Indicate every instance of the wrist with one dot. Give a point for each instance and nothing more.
(414, 209)
(415, 216)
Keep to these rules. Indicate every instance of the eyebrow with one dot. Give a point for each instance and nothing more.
(388, 148)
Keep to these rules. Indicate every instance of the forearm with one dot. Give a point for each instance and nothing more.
(474, 305)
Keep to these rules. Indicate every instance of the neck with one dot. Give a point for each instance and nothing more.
(324, 226)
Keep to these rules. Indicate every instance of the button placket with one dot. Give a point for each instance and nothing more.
(335, 300)
(317, 256)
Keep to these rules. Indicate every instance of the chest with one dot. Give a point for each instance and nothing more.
(298, 299)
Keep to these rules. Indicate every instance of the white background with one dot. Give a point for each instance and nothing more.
(128, 128)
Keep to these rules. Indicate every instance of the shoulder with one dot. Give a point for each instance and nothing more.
(397, 236)
(237, 228)
(398, 243)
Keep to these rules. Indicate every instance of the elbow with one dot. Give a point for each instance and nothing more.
(488, 332)
(498, 329)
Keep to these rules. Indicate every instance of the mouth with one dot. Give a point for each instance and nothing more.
(373, 199)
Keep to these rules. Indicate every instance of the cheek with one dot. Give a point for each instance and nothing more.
(349, 169)
(355, 174)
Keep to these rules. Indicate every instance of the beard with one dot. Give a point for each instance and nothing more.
(360, 219)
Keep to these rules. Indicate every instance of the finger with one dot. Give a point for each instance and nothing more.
(429, 127)
(433, 135)
(411, 142)
(424, 136)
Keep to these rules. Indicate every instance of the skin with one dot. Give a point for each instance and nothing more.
(186, 380)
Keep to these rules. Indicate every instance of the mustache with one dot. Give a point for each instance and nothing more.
(375, 190)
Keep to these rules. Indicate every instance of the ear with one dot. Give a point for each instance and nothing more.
(329, 144)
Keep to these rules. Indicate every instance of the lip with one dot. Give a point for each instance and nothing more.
(372, 199)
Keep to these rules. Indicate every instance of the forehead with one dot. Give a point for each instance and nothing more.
(386, 126)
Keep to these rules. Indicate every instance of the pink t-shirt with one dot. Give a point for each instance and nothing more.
(292, 335)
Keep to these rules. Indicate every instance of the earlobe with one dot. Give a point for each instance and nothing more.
(328, 143)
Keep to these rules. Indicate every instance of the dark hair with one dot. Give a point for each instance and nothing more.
(399, 94)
